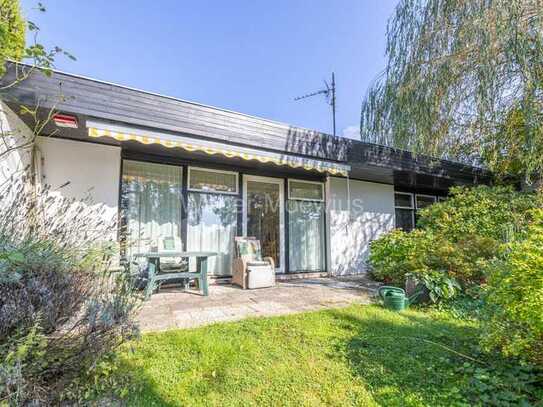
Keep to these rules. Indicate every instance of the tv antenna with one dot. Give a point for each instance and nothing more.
(329, 93)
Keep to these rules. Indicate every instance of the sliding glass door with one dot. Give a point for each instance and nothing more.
(306, 226)
(212, 216)
(263, 214)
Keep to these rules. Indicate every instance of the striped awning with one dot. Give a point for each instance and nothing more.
(98, 129)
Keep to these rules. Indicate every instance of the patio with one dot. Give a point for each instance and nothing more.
(172, 308)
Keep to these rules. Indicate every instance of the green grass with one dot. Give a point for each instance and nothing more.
(360, 355)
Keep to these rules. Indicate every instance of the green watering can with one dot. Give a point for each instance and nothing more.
(394, 298)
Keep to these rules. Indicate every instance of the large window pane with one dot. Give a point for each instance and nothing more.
(306, 190)
(151, 206)
(404, 219)
(212, 220)
(264, 217)
(403, 200)
(424, 200)
(306, 236)
(212, 181)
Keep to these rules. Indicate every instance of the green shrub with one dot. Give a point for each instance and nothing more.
(394, 255)
(422, 254)
(514, 322)
(456, 240)
(61, 309)
(465, 260)
(490, 212)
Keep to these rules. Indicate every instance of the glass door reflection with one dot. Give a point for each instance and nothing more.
(264, 215)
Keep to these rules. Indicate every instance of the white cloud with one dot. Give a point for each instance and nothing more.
(352, 132)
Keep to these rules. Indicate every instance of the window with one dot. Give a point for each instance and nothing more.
(211, 226)
(408, 204)
(306, 226)
(206, 180)
(150, 206)
(404, 210)
(403, 200)
(212, 216)
(306, 190)
(425, 200)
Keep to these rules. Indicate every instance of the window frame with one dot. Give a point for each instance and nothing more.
(321, 184)
(321, 202)
(122, 213)
(189, 189)
(411, 208)
(411, 195)
(434, 197)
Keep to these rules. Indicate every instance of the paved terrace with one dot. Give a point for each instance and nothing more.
(172, 308)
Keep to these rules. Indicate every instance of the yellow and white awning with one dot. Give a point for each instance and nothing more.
(98, 129)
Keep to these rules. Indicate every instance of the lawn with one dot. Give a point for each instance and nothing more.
(360, 355)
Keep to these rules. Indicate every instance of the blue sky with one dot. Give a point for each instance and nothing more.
(250, 56)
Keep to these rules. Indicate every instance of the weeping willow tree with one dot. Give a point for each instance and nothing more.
(463, 81)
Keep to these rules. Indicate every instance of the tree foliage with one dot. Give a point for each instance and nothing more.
(13, 45)
(463, 81)
(12, 32)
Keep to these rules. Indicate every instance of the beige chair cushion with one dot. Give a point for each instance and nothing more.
(248, 248)
(260, 276)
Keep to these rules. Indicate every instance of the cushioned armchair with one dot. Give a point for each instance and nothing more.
(249, 269)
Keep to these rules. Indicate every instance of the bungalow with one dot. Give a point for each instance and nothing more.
(203, 175)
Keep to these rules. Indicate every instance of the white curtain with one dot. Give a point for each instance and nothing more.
(212, 222)
(151, 205)
(306, 236)
(207, 180)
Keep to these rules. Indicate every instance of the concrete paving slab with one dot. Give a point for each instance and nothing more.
(173, 308)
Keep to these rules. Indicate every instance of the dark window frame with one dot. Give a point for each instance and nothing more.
(410, 208)
(414, 208)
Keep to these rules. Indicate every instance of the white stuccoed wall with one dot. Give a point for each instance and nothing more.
(350, 232)
(92, 170)
(13, 132)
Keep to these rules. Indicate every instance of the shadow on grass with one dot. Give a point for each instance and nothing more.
(407, 358)
(190, 367)
(397, 358)
(144, 391)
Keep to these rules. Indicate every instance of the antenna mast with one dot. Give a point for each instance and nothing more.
(329, 93)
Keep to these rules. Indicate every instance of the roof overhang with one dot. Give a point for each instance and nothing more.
(98, 129)
(90, 99)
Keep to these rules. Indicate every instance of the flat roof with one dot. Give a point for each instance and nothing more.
(93, 98)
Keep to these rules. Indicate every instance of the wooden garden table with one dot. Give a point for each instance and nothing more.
(155, 276)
